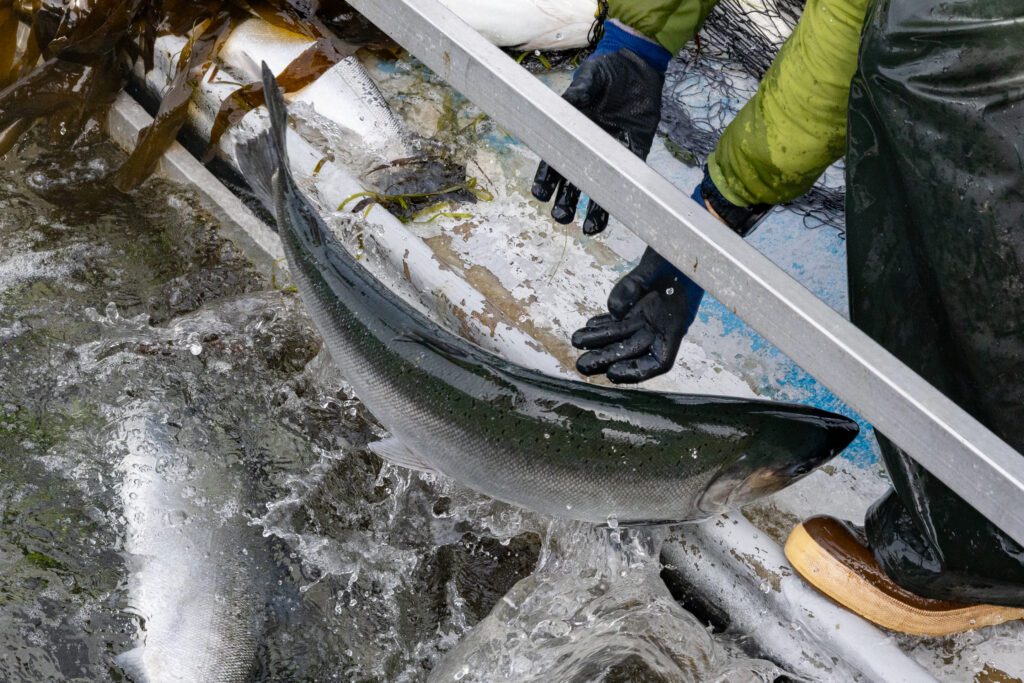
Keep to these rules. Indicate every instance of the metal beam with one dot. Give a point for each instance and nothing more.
(260, 244)
(951, 444)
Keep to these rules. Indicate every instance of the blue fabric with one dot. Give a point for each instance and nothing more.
(616, 38)
(698, 192)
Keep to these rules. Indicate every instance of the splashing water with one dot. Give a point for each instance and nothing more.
(596, 609)
(164, 415)
(164, 410)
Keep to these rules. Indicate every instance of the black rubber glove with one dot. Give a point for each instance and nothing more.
(653, 306)
(650, 310)
(622, 94)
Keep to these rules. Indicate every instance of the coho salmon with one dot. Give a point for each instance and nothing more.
(194, 582)
(556, 446)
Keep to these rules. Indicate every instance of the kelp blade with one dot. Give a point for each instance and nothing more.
(304, 70)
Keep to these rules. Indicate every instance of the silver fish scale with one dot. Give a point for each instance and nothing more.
(368, 93)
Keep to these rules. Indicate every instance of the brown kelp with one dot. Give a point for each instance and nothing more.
(78, 57)
(306, 68)
(173, 112)
(8, 43)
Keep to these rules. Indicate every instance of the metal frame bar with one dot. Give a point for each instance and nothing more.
(951, 444)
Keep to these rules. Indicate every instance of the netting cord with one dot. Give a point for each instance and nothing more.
(597, 29)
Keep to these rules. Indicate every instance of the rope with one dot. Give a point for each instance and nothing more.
(597, 29)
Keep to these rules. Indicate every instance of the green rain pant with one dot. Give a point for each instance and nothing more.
(935, 240)
(795, 126)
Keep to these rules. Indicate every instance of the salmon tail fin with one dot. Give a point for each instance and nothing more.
(278, 115)
(262, 157)
(258, 162)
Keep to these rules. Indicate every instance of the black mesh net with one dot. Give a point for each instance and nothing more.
(714, 76)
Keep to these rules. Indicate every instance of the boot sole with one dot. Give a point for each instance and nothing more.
(829, 575)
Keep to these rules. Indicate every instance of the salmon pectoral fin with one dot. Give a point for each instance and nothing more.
(394, 451)
(439, 346)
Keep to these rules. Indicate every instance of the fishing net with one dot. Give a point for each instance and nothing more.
(714, 76)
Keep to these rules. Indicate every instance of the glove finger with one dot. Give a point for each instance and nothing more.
(566, 199)
(637, 370)
(580, 92)
(603, 335)
(545, 182)
(599, 360)
(626, 294)
(664, 349)
(599, 320)
(596, 220)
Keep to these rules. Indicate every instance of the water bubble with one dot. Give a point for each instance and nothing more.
(196, 348)
(551, 628)
(613, 522)
(462, 673)
(670, 291)
(175, 518)
(546, 435)
(568, 506)
(765, 588)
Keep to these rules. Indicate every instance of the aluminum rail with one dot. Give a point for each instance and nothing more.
(951, 444)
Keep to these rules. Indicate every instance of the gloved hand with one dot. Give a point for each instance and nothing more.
(653, 306)
(650, 310)
(619, 88)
